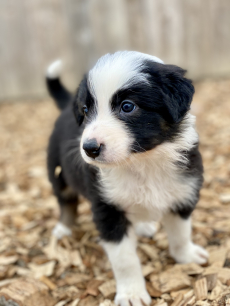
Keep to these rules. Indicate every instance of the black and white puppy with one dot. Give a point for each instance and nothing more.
(127, 142)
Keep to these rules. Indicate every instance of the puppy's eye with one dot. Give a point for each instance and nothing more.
(85, 109)
(127, 106)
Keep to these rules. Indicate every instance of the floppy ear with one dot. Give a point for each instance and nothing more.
(80, 100)
(177, 92)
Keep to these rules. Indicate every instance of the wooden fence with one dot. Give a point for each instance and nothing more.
(194, 34)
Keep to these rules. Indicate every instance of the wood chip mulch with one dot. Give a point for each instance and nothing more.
(38, 270)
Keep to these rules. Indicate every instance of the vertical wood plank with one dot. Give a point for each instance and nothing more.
(193, 34)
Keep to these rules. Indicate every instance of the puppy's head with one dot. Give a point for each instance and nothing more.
(129, 103)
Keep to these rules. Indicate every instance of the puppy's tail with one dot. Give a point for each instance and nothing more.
(57, 91)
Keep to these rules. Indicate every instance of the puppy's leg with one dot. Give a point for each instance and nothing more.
(181, 247)
(67, 218)
(68, 201)
(120, 245)
(67, 198)
(127, 270)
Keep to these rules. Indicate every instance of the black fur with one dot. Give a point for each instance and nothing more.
(194, 168)
(61, 95)
(169, 84)
(82, 98)
(111, 221)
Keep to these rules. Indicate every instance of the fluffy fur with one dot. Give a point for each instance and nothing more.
(127, 142)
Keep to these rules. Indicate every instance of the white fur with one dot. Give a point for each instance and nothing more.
(181, 247)
(60, 230)
(127, 270)
(116, 71)
(109, 131)
(149, 183)
(146, 229)
(54, 70)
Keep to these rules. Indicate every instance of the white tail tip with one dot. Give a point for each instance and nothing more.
(54, 70)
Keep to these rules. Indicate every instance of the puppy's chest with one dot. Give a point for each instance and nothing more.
(147, 189)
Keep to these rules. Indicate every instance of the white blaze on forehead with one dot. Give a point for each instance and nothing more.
(114, 71)
(111, 73)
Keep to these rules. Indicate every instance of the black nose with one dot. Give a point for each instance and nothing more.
(92, 148)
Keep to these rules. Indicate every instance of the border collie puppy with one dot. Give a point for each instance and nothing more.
(127, 142)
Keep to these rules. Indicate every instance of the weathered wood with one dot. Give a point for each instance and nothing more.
(193, 34)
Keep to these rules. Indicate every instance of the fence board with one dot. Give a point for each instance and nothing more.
(194, 34)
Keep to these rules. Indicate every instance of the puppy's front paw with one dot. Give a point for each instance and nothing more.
(190, 253)
(61, 230)
(146, 229)
(135, 298)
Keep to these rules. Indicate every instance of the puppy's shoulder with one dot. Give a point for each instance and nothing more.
(66, 126)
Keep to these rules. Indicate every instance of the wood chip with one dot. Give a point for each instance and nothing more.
(7, 260)
(211, 280)
(191, 301)
(161, 303)
(48, 282)
(202, 303)
(224, 275)
(75, 278)
(6, 282)
(107, 303)
(153, 292)
(225, 198)
(218, 257)
(28, 292)
(222, 299)
(88, 301)
(108, 288)
(149, 250)
(169, 281)
(146, 270)
(62, 303)
(174, 294)
(92, 287)
(46, 269)
(201, 289)
(76, 258)
(75, 302)
(179, 298)
(190, 269)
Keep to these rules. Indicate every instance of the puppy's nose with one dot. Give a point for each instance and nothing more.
(92, 148)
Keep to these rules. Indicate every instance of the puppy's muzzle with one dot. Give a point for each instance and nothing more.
(92, 148)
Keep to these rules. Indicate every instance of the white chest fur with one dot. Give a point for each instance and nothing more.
(147, 193)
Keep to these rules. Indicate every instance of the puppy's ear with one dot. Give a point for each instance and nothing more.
(80, 100)
(177, 91)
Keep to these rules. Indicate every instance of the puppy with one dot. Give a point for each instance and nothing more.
(127, 142)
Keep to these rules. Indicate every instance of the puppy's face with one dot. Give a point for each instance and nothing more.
(129, 103)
